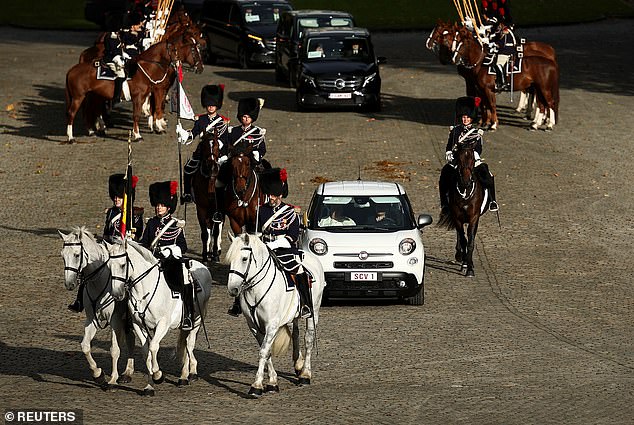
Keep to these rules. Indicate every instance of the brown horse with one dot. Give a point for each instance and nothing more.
(440, 41)
(204, 188)
(149, 69)
(242, 198)
(538, 73)
(466, 205)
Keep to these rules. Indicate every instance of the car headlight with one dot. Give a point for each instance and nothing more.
(368, 79)
(407, 246)
(307, 79)
(256, 39)
(318, 246)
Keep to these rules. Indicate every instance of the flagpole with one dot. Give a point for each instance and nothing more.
(178, 120)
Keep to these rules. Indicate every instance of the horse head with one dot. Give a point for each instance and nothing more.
(80, 250)
(186, 49)
(242, 174)
(466, 49)
(119, 269)
(245, 258)
(440, 40)
(465, 161)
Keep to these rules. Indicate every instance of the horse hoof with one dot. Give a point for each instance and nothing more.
(272, 389)
(298, 372)
(255, 392)
(192, 377)
(182, 383)
(101, 380)
(215, 259)
(124, 379)
(304, 381)
(470, 273)
(149, 392)
(160, 380)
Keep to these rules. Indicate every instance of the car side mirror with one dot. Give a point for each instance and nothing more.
(381, 60)
(424, 220)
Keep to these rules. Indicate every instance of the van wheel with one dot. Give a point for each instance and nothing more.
(243, 61)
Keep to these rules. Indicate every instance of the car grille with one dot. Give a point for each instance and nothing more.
(363, 265)
(342, 83)
(270, 44)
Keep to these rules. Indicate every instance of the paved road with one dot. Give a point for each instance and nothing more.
(542, 334)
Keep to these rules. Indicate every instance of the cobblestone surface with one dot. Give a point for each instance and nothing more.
(542, 334)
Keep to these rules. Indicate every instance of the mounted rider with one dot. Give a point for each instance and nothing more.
(503, 45)
(112, 226)
(465, 133)
(165, 237)
(211, 97)
(248, 134)
(279, 226)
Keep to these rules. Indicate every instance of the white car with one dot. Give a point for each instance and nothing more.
(366, 237)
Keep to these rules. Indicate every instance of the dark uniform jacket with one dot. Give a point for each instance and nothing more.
(205, 125)
(461, 134)
(254, 137)
(172, 236)
(284, 225)
(132, 42)
(112, 227)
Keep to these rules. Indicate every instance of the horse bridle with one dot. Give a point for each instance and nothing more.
(79, 270)
(241, 202)
(248, 283)
(128, 283)
(470, 183)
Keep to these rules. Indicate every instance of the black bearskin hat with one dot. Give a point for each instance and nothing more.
(212, 95)
(467, 105)
(116, 185)
(250, 106)
(274, 182)
(164, 193)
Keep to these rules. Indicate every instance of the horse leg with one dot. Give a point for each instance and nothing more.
(309, 343)
(298, 358)
(71, 112)
(89, 333)
(204, 231)
(216, 248)
(264, 355)
(129, 367)
(155, 343)
(461, 243)
(121, 333)
(159, 100)
(272, 386)
(137, 105)
(472, 229)
(193, 363)
(149, 388)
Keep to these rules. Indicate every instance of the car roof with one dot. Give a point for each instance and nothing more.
(360, 188)
(326, 31)
(316, 12)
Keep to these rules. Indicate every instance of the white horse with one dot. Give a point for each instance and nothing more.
(86, 260)
(154, 309)
(269, 307)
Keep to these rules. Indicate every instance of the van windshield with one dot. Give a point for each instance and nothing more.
(258, 14)
(350, 48)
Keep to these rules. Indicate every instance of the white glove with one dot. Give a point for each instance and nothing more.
(183, 135)
(222, 159)
(171, 251)
(256, 156)
(126, 56)
(278, 243)
(449, 156)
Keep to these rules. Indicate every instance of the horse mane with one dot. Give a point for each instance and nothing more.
(83, 232)
(143, 251)
(240, 241)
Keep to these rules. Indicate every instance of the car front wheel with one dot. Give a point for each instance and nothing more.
(418, 298)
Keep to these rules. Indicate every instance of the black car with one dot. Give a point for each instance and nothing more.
(243, 30)
(108, 14)
(290, 31)
(338, 67)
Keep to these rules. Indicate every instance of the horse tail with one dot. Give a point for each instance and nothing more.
(446, 221)
(282, 341)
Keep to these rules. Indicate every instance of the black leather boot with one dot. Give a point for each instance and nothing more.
(78, 305)
(118, 85)
(235, 309)
(305, 296)
(188, 302)
(218, 216)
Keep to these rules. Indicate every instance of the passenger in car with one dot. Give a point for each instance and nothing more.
(336, 218)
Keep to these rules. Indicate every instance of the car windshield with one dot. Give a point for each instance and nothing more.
(368, 213)
(349, 48)
(256, 14)
(321, 22)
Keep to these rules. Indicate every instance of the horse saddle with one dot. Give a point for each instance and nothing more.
(517, 66)
(104, 72)
(174, 271)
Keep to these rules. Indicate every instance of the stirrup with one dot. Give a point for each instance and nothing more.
(304, 312)
(493, 206)
(187, 324)
(186, 198)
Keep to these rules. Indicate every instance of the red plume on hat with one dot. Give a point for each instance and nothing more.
(173, 187)
(283, 175)
(476, 101)
(135, 180)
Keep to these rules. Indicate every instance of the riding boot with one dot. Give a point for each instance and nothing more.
(486, 178)
(218, 216)
(188, 302)
(118, 84)
(305, 296)
(501, 78)
(78, 305)
(493, 205)
(186, 197)
(235, 309)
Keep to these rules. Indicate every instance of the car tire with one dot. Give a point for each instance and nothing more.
(374, 106)
(418, 298)
(298, 102)
(279, 75)
(292, 77)
(243, 61)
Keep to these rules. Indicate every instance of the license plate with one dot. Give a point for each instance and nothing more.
(369, 276)
(340, 95)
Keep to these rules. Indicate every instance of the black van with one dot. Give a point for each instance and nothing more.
(290, 31)
(243, 30)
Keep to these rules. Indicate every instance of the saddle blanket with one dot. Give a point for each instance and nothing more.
(105, 73)
(517, 67)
